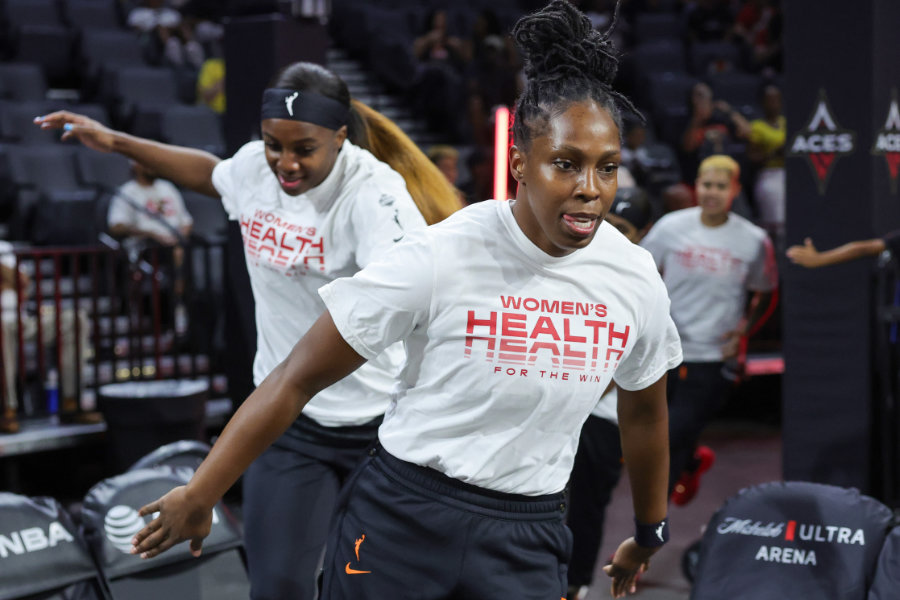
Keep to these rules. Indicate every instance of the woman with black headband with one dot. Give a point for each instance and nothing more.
(314, 205)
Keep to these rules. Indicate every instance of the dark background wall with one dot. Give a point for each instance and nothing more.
(830, 405)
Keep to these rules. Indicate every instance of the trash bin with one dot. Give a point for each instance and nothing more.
(143, 415)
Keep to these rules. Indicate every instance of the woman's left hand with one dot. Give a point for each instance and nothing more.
(629, 561)
(178, 520)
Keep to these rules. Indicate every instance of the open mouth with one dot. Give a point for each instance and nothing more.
(582, 225)
(290, 183)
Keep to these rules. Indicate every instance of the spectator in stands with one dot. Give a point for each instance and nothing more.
(440, 86)
(710, 258)
(148, 207)
(463, 496)
(446, 159)
(598, 461)
(14, 281)
(165, 34)
(436, 45)
(491, 82)
(712, 126)
(480, 165)
(211, 84)
(765, 151)
(758, 26)
(313, 205)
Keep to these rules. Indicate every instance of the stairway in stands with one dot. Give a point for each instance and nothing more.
(365, 88)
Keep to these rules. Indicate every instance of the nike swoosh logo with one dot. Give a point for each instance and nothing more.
(350, 571)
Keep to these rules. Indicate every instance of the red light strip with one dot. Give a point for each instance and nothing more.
(501, 152)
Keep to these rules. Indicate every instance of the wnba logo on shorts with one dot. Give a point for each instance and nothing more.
(887, 142)
(822, 142)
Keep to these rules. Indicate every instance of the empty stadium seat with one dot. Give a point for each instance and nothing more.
(31, 12)
(103, 170)
(102, 51)
(110, 519)
(91, 14)
(17, 122)
(195, 126)
(51, 196)
(142, 95)
(792, 540)
(23, 81)
(210, 220)
(49, 46)
(649, 27)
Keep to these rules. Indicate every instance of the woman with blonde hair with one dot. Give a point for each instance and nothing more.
(329, 188)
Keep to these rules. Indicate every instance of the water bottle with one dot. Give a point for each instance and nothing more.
(51, 389)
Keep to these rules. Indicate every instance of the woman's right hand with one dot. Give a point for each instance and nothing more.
(89, 132)
(805, 255)
(179, 519)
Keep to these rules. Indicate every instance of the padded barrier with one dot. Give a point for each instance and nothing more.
(792, 540)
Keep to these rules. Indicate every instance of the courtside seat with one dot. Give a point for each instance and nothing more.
(887, 575)
(110, 520)
(42, 553)
(792, 540)
(183, 453)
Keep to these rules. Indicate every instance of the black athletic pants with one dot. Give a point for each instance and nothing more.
(404, 532)
(289, 496)
(598, 466)
(696, 391)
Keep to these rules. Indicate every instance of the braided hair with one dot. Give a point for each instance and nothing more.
(566, 61)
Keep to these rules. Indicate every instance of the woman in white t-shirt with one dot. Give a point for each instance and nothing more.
(710, 258)
(515, 315)
(313, 205)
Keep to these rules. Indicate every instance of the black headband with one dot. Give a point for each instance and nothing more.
(280, 103)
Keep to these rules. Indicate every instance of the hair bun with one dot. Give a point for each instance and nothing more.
(558, 41)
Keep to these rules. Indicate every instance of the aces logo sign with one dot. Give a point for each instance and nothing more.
(822, 141)
(887, 141)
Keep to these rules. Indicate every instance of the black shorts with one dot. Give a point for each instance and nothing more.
(405, 531)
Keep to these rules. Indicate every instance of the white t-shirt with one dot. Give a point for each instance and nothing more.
(295, 244)
(708, 271)
(160, 198)
(508, 348)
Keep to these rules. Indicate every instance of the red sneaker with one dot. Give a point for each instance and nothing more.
(689, 482)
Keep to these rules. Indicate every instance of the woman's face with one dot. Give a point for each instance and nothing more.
(715, 192)
(567, 178)
(300, 154)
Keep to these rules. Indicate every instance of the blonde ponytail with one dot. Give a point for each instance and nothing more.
(434, 195)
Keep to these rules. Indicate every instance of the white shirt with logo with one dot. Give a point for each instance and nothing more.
(708, 271)
(160, 198)
(508, 347)
(295, 244)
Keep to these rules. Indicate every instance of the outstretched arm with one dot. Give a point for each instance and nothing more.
(186, 167)
(319, 359)
(807, 255)
(644, 429)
